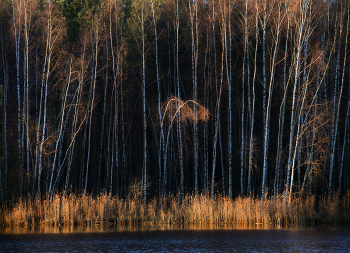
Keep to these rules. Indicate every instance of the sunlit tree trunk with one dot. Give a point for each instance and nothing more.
(251, 139)
(193, 6)
(347, 110)
(229, 84)
(299, 41)
(161, 139)
(144, 175)
(179, 125)
(277, 182)
(206, 73)
(269, 101)
(120, 57)
(17, 12)
(165, 155)
(25, 109)
(45, 84)
(218, 98)
(243, 96)
(60, 132)
(75, 127)
(264, 82)
(336, 106)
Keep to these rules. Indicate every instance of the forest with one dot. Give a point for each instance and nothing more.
(231, 97)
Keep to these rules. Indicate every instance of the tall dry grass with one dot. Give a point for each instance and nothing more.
(86, 209)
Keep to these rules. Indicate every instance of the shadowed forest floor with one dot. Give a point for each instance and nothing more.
(89, 210)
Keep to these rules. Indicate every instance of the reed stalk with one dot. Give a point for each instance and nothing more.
(89, 210)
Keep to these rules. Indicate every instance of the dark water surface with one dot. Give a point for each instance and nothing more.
(177, 240)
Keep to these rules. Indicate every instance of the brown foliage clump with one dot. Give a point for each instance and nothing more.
(175, 107)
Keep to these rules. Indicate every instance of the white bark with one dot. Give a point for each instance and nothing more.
(268, 109)
(229, 78)
(45, 82)
(161, 139)
(194, 34)
(179, 133)
(217, 108)
(348, 108)
(243, 96)
(17, 9)
(144, 176)
(264, 25)
(251, 140)
(60, 132)
(277, 182)
(299, 43)
(336, 109)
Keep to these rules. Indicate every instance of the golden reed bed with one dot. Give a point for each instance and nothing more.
(85, 209)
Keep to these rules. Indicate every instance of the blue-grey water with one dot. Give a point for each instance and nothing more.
(177, 240)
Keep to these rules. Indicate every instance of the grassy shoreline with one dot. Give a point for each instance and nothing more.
(103, 210)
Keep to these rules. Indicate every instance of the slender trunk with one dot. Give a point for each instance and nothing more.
(336, 109)
(102, 138)
(217, 108)
(251, 140)
(46, 83)
(161, 139)
(144, 108)
(205, 129)
(3, 182)
(277, 182)
(25, 114)
(194, 15)
(348, 108)
(61, 127)
(268, 109)
(264, 63)
(179, 132)
(165, 157)
(17, 27)
(92, 104)
(229, 78)
(75, 121)
(120, 58)
(290, 165)
(243, 96)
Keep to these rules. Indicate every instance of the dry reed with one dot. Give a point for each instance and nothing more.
(89, 210)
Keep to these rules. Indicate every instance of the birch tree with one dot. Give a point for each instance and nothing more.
(269, 101)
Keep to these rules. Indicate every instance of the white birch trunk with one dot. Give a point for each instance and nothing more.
(17, 26)
(229, 78)
(264, 62)
(277, 182)
(178, 95)
(348, 108)
(243, 96)
(194, 46)
(336, 111)
(46, 74)
(268, 109)
(299, 45)
(144, 108)
(251, 140)
(161, 139)
(217, 108)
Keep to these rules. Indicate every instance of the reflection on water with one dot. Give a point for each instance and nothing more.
(187, 238)
(140, 227)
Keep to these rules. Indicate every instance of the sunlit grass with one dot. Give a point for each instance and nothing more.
(102, 210)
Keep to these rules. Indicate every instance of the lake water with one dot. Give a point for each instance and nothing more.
(172, 239)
